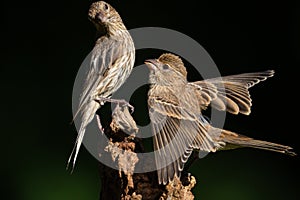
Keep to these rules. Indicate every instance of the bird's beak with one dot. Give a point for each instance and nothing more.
(101, 17)
(151, 64)
(97, 17)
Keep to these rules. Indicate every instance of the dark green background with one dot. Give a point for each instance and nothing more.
(44, 42)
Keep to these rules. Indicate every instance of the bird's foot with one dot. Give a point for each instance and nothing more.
(117, 101)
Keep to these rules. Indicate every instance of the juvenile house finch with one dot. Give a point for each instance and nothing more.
(111, 63)
(175, 111)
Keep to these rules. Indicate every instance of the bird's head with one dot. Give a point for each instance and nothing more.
(167, 70)
(104, 15)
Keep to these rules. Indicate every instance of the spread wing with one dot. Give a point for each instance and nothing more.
(231, 93)
(175, 129)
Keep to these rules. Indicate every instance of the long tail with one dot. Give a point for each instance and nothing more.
(76, 147)
(89, 111)
(233, 140)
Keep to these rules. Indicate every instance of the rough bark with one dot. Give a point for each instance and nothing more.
(124, 184)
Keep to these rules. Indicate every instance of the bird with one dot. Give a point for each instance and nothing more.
(175, 110)
(111, 63)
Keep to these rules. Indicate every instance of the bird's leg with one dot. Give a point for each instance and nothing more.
(99, 123)
(117, 101)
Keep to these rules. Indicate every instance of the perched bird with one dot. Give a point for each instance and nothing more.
(175, 107)
(111, 63)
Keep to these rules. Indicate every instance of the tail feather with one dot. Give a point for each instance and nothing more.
(76, 147)
(233, 140)
(88, 113)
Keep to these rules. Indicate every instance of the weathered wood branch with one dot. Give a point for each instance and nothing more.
(124, 184)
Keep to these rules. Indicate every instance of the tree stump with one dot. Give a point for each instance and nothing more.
(124, 184)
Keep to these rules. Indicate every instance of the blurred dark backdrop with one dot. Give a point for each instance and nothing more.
(44, 43)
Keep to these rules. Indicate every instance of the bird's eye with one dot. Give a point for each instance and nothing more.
(105, 7)
(165, 67)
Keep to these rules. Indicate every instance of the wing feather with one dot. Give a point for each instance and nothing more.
(231, 93)
(175, 130)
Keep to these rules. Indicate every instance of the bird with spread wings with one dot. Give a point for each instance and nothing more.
(175, 110)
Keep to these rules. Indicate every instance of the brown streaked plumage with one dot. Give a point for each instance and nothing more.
(175, 107)
(111, 63)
